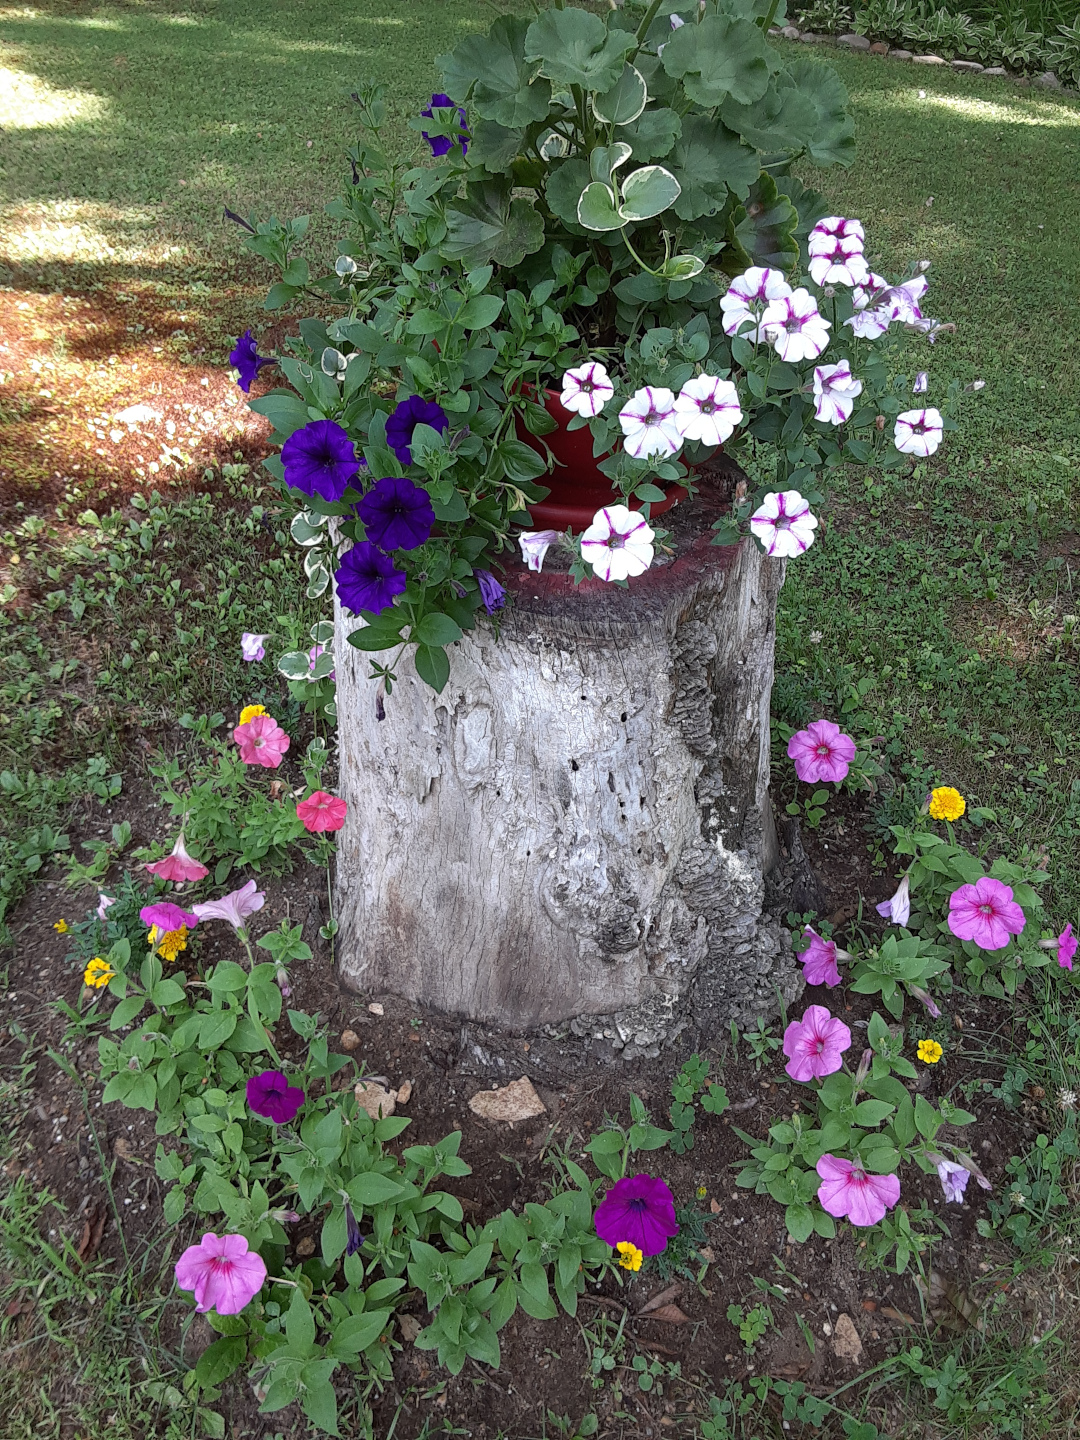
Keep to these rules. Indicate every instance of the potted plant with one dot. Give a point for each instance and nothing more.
(608, 272)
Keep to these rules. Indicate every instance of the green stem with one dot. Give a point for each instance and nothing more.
(766, 21)
(643, 28)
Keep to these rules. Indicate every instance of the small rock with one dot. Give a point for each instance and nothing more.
(349, 1040)
(516, 1101)
(775, 31)
(972, 65)
(854, 42)
(809, 38)
(377, 1101)
(879, 48)
(375, 1008)
(305, 1247)
(790, 32)
(845, 1341)
(996, 70)
(901, 55)
(404, 1092)
(136, 415)
(928, 60)
(714, 1207)
(410, 1328)
(1048, 80)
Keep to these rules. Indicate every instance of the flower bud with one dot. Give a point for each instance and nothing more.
(284, 1217)
(864, 1067)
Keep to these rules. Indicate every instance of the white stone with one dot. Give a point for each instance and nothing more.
(928, 60)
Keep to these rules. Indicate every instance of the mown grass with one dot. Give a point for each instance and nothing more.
(952, 587)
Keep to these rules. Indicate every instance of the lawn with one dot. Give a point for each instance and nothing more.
(939, 611)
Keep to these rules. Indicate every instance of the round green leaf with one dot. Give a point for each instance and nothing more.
(503, 84)
(648, 192)
(719, 58)
(625, 101)
(596, 208)
(574, 47)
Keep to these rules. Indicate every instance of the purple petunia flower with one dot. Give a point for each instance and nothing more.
(271, 1096)
(638, 1209)
(319, 460)
(352, 1231)
(954, 1179)
(366, 579)
(440, 145)
(397, 514)
(404, 420)
(247, 360)
(491, 592)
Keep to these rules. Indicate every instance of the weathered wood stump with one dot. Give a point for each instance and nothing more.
(577, 827)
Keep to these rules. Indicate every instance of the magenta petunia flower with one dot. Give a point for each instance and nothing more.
(271, 1096)
(397, 514)
(403, 421)
(986, 913)
(224, 1274)
(441, 144)
(783, 524)
(167, 916)
(178, 866)
(321, 811)
(262, 741)
(1066, 947)
(366, 579)
(252, 647)
(638, 1209)
(815, 1044)
(846, 1189)
(320, 460)
(234, 907)
(245, 357)
(819, 960)
(821, 752)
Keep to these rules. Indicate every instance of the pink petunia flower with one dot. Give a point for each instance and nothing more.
(821, 752)
(986, 913)
(252, 647)
(954, 1179)
(1065, 944)
(321, 811)
(224, 1274)
(819, 960)
(104, 901)
(815, 1044)
(783, 524)
(898, 909)
(167, 916)
(262, 742)
(534, 546)
(918, 432)
(234, 907)
(846, 1189)
(178, 866)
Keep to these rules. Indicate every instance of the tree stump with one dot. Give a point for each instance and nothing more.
(578, 826)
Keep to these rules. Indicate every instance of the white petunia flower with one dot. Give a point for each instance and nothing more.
(841, 264)
(918, 432)
(746, 299)
(872, 315)
(534, 546)
(618, 543)
(586, 389)
(922, 383)
(898, 907)
(835, 227)
(783, 524)
(708, 409)
(794, 326)
(648, 422)
(835, 389)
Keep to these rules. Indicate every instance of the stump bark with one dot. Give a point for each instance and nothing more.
(577, 828)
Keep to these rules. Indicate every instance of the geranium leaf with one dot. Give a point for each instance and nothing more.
(574, 47)
(648, 192)
(653, 134)
(707, 161)
(564, 187)
(719, 58)
(832, 140)
(762, 230)
(493, 67)
(780, 120)
(488, 227)
(494, 146)
(625, 101)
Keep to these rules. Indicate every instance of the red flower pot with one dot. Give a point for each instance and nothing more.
(578, 486)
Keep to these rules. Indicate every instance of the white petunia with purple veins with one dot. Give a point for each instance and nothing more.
(748, 296)
(842, 263)
(835, 392)
(834, 227)
(586, 389)
(784, 525)
(922, 383)
(918, 432)
(707, 409)
(618, 544)
(795, 327)
(648, 423)
(535, 545)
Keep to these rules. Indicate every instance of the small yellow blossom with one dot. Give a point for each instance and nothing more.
(98, 973)
(929, 1051)
(701, 1192)
(250, 711)
(631, 1256)
(946, 803)
(61, 927)
(171, 943)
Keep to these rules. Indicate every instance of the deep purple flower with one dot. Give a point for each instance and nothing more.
(491, 592)
(271, 1095)
(245, 356)
(640, 1209)
(404, 420)
(440, 145)
(367, 580)
(352, 1230)
(397, 514)
(319, 460)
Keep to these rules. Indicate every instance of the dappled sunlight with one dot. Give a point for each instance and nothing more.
(1020, 111)
(29, 103)
(83, 232)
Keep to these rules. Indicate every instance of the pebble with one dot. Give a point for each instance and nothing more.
(790, 32)
(349, 1040)
(901, 55)
(375, 1008)
(996, 70)
(854, 42)
(970, 65)
(1048, 80)
(928, 60)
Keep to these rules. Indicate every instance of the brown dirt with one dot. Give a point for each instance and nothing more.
(545, 1365)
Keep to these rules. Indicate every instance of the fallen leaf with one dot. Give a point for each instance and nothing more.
(845, 1340)
(350, 1040)
(92, 1231)
(669, 1315)
(14, 1307)
(714, 1206)
(948, 1304)
(516, 1101)
(375, 1008)
(404, 1092)
(708, 1254)
(671, 1293)
(377, 1101)
(122, 1148)
(744, 1104)
(410, 1328)
(892, 1314)
(869, 1305)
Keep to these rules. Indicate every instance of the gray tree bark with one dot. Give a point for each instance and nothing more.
(577, 827)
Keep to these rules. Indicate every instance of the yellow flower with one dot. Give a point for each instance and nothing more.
(701, 1192)
(250, 711)
(929, 1051)
(61, 927)
(98, 973)
(171, 943)
(631, 1255)
(946, 803)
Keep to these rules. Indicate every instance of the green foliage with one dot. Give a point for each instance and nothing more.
(752, 1323)
(691, 1082)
